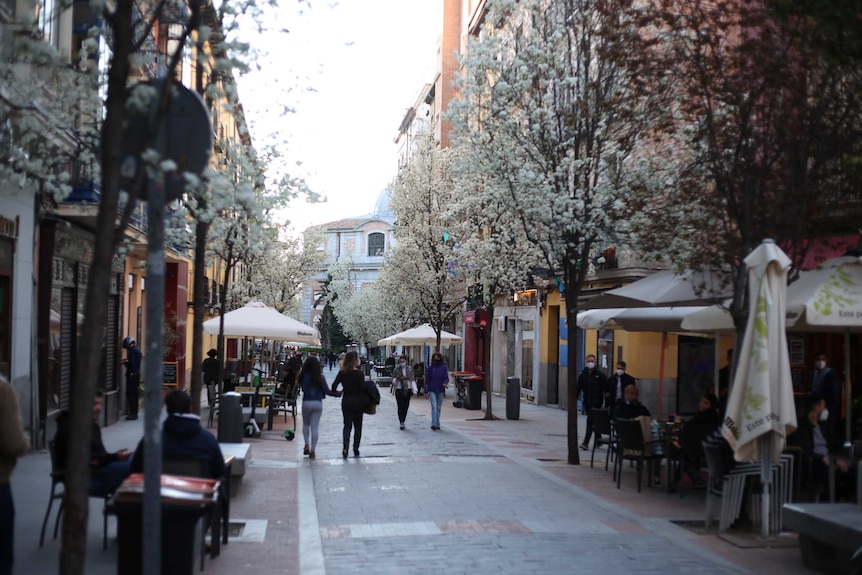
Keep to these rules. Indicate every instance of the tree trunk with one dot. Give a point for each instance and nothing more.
(572, 285)
(486, 350)
(88, 355)
(201, 231)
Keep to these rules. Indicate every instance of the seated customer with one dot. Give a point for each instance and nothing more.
(629, 407)
(694, 432)
(115, 465)
(819, 444)
(183, 436)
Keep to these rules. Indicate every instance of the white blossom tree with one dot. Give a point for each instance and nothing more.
(545, 117)
(423, 261)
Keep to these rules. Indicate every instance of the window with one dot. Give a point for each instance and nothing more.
(376, 243)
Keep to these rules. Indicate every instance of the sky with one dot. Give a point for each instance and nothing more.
(350, 69)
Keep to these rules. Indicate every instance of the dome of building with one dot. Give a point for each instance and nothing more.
(381, 206)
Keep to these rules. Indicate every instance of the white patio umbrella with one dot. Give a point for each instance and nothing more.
(420, 335)
(666, 288)
(256, 319)
(829, 298)
(760, 409)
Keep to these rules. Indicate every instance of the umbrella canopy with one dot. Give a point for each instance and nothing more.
(658, 319)
(256, 319)
(421, 335)
(828, 298)
(666, 288)
(711, 319)
(760, 409)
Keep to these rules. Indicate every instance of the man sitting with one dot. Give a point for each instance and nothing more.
(629, 407)
(115, 465)
(183, 436)
(819, 444)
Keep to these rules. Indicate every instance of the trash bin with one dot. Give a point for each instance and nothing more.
(180, 537)
(513, 398)
(474, 392)
(230, 422)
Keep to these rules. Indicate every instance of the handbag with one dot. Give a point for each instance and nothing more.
(371, 409)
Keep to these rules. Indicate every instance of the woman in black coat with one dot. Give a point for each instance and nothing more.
(354, 400)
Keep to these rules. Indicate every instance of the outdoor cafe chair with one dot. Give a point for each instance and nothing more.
(58, 477)
(604, 434)
(631, 446)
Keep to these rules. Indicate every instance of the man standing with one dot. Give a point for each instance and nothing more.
(13, 444)
(826, 384)
(619, 382)
(133, 376)
(294, 364)
(593, 384)
(210, 372)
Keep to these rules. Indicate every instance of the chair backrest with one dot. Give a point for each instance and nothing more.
(601, 421)
(715, 462)
(56, 466)
(630, 434)
(190, 466)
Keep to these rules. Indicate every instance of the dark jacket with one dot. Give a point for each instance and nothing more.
(99, 456)
(210, 368)
(354, 397)
(804, 437)
(183, 436)
(133, 360)
(625, 410)
(828, 386)
(594, 385)
(612, 385)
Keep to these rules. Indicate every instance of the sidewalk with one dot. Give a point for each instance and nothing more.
(287, 503)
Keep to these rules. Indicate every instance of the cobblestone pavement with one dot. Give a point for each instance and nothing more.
(476, 497)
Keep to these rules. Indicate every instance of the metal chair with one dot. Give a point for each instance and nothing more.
(282, 403)
(58, 477)
(726, 486)
(604, 434)
(631, 446)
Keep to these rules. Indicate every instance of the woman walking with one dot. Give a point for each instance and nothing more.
(402, 383)
(436, 382)
(353, 402)
(314, 389)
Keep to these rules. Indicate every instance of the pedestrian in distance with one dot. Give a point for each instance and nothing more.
(436, 383)
(353, 402)
(13, 444)
(593, 383)
(403, 382)
(209, 367)
(314, 389)
(133, 376)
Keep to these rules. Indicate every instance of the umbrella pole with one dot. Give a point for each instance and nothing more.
(766, 483)
(661, 372)
(848, 440)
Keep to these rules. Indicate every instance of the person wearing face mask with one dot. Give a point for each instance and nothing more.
(594, 385)
(825, 383)
(436, 382)
(402, 383)
(819, 444)
(619, 381)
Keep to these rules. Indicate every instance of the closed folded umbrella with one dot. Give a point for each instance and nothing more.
(760, 409)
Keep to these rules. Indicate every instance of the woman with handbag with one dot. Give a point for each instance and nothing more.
(314, 389)
(354, 400)
(403, 382)
(436, 382)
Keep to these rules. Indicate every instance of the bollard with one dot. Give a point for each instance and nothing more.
(513, 398)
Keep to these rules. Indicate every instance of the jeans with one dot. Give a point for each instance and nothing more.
(106, 480)
(7, 529)
(311, 412)
(436, 398)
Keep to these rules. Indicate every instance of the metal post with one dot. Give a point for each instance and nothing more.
(848, 438)
(152, 509)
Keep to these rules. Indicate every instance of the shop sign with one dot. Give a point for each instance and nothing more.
(469, 317)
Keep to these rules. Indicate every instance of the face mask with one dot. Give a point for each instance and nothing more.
(403, 363)
(620, 371)
(591, 364)
(438, 360)
(820, 364)
(824, 415)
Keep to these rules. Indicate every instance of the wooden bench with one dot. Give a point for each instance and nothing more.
(241, 453)
(829, 533)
